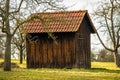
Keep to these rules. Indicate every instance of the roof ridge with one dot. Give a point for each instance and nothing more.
(74, 11)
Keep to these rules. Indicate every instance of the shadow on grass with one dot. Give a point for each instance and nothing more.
(2, 79)
(103, 70)
(13, 65)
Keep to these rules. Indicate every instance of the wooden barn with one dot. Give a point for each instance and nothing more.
(59, 40)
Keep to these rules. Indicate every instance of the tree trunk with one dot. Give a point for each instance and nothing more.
(7, 58)
(117, 58)
(21, 56)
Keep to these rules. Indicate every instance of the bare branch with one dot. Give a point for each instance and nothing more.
(118, 39)
(18, 9)
(14, 31)
(103, 43)
(52, 4)
(14, 41)
(1, 10)
(108, 27)
(112, 22)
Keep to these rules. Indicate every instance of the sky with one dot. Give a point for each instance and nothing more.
(81, 4)
(89, 5)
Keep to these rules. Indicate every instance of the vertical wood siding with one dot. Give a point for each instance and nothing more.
(45, 52)
(71, 50)
(83, 59)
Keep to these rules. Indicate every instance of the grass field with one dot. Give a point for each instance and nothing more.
(99, 71)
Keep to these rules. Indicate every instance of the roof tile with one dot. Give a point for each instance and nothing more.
(68, 21)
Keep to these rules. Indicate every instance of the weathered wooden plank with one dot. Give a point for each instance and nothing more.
(71, 50)
(59, 53)
(40, 53)
(37, 54)
(28, 53)
(55, 54)
(44, 53)
(50, 53)
(67, 52)
(32, 54)
(62, 52)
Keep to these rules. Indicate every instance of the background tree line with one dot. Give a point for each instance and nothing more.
(102, 56)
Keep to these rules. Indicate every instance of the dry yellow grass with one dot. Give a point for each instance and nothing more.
(99, 71)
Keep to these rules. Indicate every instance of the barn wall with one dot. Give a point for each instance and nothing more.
(83, 46)
(45, 52)
(67, 51)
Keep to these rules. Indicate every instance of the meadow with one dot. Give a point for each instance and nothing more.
(99, 71)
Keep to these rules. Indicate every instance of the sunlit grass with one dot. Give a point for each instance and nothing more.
(23, 65)
(57, 74)
(106, 65)
(99, 71)
(1, 60)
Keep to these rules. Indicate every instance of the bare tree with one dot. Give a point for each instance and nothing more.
(102, 56)
(107, 13)
(105, 56)
(19, 42)
(9, 10)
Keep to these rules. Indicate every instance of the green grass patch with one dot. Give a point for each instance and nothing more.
(99, 71)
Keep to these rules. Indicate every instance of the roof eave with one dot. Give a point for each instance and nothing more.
(91, 23)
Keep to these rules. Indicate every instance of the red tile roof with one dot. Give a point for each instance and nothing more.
(68, 21)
